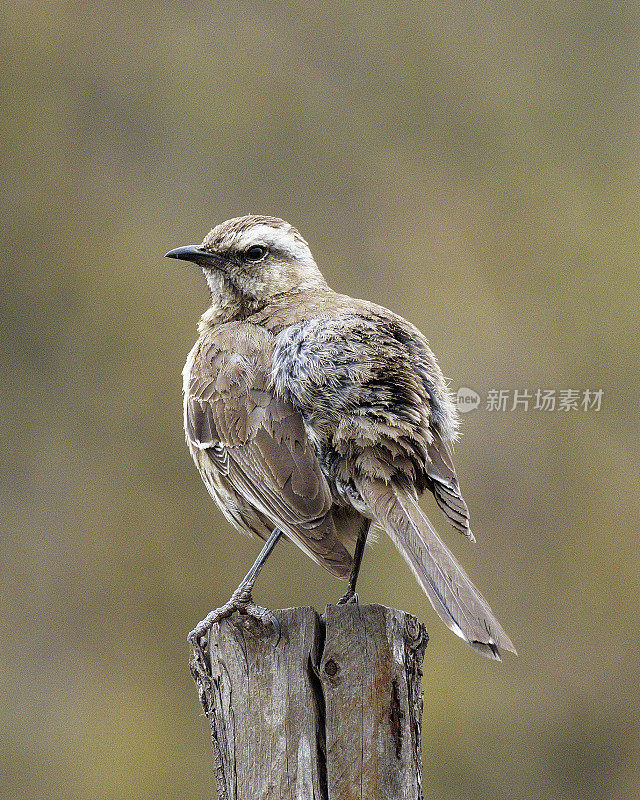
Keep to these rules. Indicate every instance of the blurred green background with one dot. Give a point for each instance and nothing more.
(472, 165)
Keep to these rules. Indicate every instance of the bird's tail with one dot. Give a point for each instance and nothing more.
(456, 600)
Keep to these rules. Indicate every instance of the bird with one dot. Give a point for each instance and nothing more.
(314, 416)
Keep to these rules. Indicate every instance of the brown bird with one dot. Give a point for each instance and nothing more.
(313, 415)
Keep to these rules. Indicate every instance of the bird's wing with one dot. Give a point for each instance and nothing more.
(258, 441)
(444, 484)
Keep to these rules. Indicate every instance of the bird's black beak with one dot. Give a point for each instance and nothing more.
(191, 252)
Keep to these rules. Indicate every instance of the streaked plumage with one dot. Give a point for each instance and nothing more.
(309, 412)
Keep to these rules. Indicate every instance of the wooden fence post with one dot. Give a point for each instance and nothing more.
(332, 711)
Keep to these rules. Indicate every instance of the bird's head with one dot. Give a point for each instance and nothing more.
(252, 259)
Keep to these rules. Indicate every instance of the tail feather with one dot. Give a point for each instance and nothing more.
(455, 599)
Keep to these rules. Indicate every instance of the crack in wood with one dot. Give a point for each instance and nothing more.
(395, 716)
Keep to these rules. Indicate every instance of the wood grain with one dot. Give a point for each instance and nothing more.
(331, 711)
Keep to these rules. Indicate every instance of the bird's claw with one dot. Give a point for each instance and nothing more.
(241, 602)
(204, 626)
(263, 616)
(349, 597)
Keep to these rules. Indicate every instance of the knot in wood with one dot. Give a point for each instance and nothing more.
(331, 668)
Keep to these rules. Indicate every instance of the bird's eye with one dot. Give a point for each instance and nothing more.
(255, 253)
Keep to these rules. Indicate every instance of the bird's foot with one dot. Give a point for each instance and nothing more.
(350, 596)
(240, 601)
(262, 616)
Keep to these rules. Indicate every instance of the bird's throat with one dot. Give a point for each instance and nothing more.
(228, 303)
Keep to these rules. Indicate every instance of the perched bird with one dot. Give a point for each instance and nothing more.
(312, 414)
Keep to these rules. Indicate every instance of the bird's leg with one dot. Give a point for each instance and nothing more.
(350, 595)
(240, 600)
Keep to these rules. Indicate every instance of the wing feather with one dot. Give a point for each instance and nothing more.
(258, 442)
(444, 484)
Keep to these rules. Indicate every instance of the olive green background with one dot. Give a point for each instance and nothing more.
(471, 165)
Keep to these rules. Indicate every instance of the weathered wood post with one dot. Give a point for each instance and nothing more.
(332, 711)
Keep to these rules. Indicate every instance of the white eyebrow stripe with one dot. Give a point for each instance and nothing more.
(265, 234)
